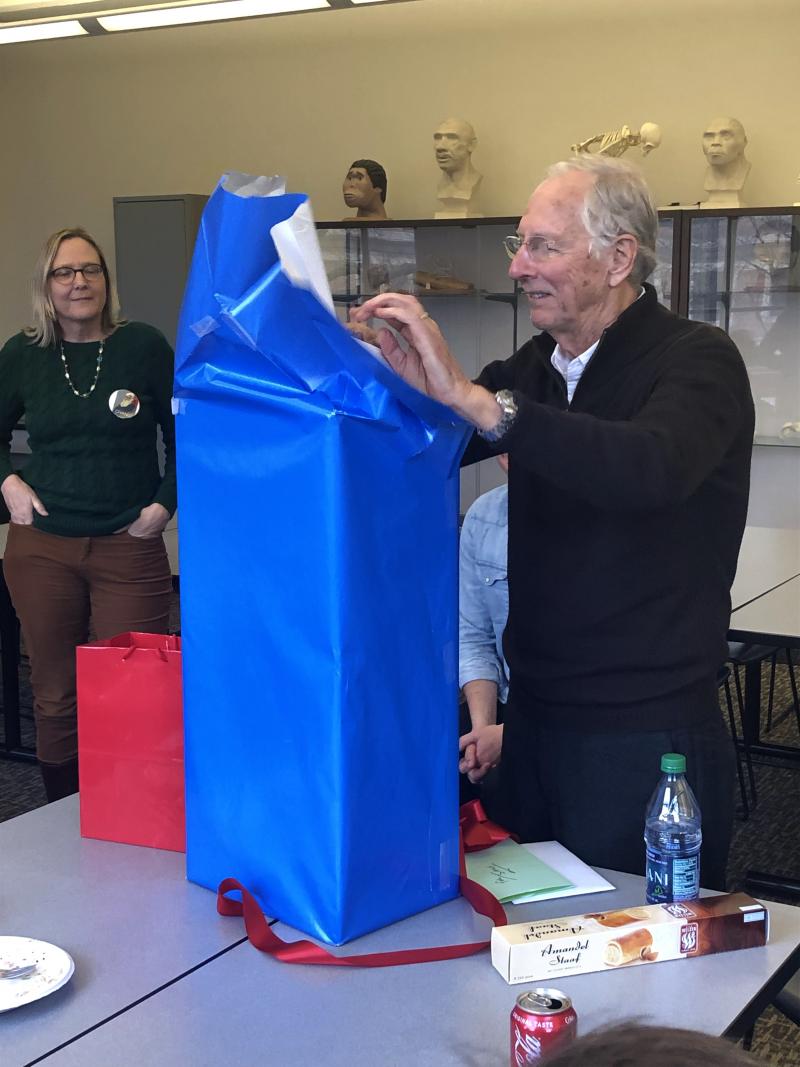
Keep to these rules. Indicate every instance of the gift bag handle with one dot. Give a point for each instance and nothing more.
(171, 644)
(477, 832)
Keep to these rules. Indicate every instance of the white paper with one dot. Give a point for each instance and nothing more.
(584, 879)
(301, 260)
(240, 184)
(372, 349)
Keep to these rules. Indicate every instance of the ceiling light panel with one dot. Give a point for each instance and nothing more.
(41, 31)
(192, 13)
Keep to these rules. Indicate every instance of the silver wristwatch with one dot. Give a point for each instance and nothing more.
(509, 410)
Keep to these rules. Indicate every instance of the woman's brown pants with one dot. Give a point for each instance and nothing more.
(58, 585)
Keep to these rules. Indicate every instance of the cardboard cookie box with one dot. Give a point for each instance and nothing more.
(599, 941)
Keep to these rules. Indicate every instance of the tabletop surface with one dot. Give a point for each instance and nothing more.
(247, 1008)
(773, 618)
(768, 556)
(126, 915)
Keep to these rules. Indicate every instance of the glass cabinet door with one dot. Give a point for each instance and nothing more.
(364, 260)
(744, 277)
(764, 320)
(661, 278)
(708, 270)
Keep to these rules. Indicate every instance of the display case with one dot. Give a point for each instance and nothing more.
(741, 273)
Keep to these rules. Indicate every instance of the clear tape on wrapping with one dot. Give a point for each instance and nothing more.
(204, 326)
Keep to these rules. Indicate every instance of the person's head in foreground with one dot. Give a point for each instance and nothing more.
(631, 1045)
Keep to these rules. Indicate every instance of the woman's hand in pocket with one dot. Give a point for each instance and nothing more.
(21, 500)
(151, 521)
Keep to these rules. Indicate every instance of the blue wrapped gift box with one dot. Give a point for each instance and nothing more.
(318, 499)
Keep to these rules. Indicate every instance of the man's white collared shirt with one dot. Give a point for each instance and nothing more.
(572, 369)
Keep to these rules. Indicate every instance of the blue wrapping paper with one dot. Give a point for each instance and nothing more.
(318, 516)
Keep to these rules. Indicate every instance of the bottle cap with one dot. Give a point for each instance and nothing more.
(673, 763)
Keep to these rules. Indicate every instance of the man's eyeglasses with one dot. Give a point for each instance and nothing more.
(66, 275)
(537, 247)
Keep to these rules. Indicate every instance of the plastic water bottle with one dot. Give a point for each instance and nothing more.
(673, 836)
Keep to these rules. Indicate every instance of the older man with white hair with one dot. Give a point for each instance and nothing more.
(629, 434)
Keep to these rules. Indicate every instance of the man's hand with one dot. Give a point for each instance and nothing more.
(363, 332)
(480, 751)
(425, 361)
(152, 520)
(21, 500)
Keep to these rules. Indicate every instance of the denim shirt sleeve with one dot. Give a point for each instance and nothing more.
(483, 591)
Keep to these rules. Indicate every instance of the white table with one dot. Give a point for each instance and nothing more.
(246, 1008)
(771, 619)
(126, 915)
(767, 558)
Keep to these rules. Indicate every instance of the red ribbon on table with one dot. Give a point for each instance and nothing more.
(477, 832)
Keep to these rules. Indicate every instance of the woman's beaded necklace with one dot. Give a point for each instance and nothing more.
(70, 382)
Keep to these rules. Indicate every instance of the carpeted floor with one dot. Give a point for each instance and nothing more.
(768, 840)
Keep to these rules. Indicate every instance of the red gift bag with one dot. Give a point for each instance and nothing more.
(130, 740)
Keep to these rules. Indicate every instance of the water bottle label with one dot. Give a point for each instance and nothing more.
(672, 878)
(686, 878)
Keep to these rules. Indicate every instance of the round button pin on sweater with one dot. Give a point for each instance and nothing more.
(124, 404)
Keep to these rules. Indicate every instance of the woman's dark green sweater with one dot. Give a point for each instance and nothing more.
(92, 471)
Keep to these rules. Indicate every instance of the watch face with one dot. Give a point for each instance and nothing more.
(508, 412)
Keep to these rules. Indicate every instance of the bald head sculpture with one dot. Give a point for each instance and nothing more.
(454, 141)
(724, 142)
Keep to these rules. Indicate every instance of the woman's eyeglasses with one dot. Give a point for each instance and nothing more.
(66, 275)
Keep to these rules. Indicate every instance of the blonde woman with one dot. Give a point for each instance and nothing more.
(88, 509)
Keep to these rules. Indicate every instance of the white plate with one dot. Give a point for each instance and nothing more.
(54, 968)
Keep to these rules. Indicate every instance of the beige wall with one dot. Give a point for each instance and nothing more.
(168, 111)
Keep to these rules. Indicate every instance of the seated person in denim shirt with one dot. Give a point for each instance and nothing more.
(483, 611)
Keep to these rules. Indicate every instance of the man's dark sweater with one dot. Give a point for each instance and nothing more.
(626, 512)
(93, 472)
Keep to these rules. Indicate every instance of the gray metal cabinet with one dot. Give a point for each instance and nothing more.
(154, 238)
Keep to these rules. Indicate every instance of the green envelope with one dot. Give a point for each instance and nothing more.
(508, 870)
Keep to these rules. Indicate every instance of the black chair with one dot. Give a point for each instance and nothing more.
(785, 885)
(741, 655)
(741, 748)
(788, 1003)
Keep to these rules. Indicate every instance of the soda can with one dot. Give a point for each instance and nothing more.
(541, 1020)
